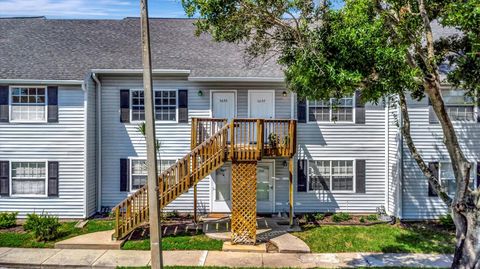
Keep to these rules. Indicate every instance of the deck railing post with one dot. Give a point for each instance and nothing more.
(232, 139)
(260, 128)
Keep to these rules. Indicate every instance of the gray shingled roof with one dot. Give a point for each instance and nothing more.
(39, 48)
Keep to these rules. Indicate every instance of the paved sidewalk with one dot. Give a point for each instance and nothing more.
(82, 258)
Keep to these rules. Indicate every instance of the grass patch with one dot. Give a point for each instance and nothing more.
(178, 242)
(416, 238)
(67, 229)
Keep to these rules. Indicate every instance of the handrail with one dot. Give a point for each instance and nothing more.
(174, 181)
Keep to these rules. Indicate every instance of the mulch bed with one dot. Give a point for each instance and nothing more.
(355, 220)
(170, 227)
(16, 229)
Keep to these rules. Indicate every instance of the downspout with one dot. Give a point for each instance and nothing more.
(85, 148)
(400, 187)
(98, 148)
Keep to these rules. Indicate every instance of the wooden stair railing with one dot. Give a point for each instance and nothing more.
(174, 181)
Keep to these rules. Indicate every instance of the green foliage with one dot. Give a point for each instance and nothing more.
(372, 217)
(447, 221)
(8, 219)
(44, 227)
(362, 219)
(341, 217)
(319, 216)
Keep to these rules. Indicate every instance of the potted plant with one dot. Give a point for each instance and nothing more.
(272, 140)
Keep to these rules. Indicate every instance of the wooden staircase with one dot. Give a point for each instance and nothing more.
(214, 141)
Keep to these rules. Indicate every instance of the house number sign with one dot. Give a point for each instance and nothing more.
(224, 100)
(260, 101)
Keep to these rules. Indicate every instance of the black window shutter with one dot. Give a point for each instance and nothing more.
(359, 108)
(52, 96)
(124, 105)
(4, 178)
(302, 110)
(183, 106)
(302, 176)
(360, 176)
(432, 117)
(52, 178)
(434, 168)
(3, 103)
(124, 174)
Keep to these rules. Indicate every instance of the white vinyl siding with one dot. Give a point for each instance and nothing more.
(63, 142)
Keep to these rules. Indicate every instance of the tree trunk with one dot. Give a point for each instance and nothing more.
(467, 248)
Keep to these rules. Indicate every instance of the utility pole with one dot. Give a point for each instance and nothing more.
(153, 201)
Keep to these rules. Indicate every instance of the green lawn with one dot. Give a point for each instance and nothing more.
(67, 230)
(179, 242)
(378, 238)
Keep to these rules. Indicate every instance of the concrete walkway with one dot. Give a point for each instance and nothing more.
(82, 258)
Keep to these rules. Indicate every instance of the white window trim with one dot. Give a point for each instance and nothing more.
(330, 122)
(156, 121)
(474, 104)
(27, 195)
(10, 88)
(130, 174)
(472, 175)
(354, 187)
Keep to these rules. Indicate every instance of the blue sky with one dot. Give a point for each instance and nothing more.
(88, 9)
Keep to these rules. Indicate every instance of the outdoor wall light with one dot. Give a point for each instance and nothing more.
(285, 164)
(200, 93)
(284, 93)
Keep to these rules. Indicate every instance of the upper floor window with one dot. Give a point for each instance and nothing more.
(165, 105)
(447, 177)
(332, 110)
(28, 104)
(459, 106)
(139, 172)
(29, 178)
(337, 176)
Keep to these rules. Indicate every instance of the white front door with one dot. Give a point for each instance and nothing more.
(261, 104)
(223, 105)
(265, 187)
(222, 190)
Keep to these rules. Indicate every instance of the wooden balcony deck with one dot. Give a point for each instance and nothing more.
(250, 139)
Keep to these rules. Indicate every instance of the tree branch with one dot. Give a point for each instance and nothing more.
(432, 179)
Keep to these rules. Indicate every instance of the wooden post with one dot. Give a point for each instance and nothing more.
(195, 202)
(290, 191)
(154, 208)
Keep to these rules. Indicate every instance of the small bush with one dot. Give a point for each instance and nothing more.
(319, 216)
(362, 219)
(44, 227)
(340, 217)
(372, 217)
(8, 219)
(447, 221)
(309, 218)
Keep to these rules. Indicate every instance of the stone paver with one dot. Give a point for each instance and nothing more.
(27, 256)
(233, 259)
(182, 258)
(288, 243)
(113, 258)
(75, 257)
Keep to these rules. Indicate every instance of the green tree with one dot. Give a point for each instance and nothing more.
(385, 48)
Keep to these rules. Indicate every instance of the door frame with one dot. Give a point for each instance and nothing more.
(270, 162)
(265, 161)
(234, 100)
(264, 91)
(213, 178)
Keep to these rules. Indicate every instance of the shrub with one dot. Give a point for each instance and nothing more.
(372, 217)
(319, 216)
(309, 217)
(340, 217)
(362, 219)
(44, 226)
(447, 221)
(8, 219)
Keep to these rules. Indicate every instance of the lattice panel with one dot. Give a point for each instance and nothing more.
(244, 202)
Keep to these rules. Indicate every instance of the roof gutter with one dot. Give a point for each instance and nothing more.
(41, 81)
(184, 72)
(238, 79)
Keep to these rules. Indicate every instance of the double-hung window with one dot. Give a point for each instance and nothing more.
(334, 175)
(138, 171)
(447, 178)
(28, 104)
(29, 178)
(165, 105)
(334, 110)
(460, 107)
